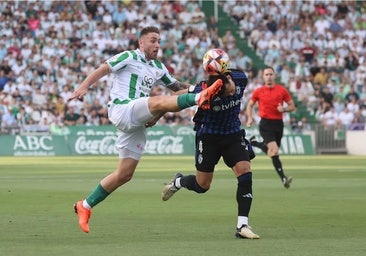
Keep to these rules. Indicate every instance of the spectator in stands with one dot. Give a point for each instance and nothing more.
(308, 52)
(352, 95)
(65, 93)
(345, 118)
(321, 77)
(297, 42)
(247, 24)
(303, 125)
(8, 120)
(360, 77)
(10, 87)
(286, 74)
(330, 117)
(327, 95)
(53, 40)
(33, 24)
(3, 79)
(102, 97)
(83, 119)
(335, 26)
(71, 117)
(198, 16)
(22, 117)
(271, 23)
(39, 98)
(351, 62)
(254, 37)
(56, 127)
(338, 104)
(302, 68)
(93, 118)
(242, 61)
(3, 50)
(299, 127)
(321, 25)
(229, 40)
(353, 105)
(314, 68)
(273, 55)
(359, 120)
(306, 91)
(43, 126)
(238, 11)
(342, 10)
(6, 68)
(262, 46)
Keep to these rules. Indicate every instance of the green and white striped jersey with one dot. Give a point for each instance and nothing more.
(135, 76)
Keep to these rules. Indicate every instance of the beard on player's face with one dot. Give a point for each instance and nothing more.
(150, 45)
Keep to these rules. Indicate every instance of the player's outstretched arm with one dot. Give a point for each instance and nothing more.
(179, 88)
(101, 71)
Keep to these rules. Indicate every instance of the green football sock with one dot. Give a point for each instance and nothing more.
(186, 100)
(97, 196)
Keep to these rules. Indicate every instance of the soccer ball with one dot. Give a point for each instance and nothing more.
(216, 61)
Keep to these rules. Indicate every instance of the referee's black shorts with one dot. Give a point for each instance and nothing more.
(210, 147)
(271, 130)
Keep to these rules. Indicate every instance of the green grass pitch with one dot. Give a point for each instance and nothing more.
(323, 213)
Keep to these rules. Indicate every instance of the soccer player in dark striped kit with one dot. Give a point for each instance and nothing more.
(219, 134)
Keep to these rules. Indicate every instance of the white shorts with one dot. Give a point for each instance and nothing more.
(130, 116)
(131, 144)
(130, 120)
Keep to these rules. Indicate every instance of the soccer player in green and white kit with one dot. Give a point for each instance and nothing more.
(131, 109)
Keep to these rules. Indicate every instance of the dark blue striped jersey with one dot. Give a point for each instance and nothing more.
(223, 116)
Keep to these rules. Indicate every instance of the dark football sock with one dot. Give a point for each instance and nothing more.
(190, 183)
(244, 194)
(278, 166)
(260, 145)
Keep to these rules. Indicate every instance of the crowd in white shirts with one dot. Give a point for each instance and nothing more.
(48, 47)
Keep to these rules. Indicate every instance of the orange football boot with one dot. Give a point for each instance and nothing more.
(83, 215)
(206, 95)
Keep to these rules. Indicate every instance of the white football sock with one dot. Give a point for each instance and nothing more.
(86, 205)
(242, 220)
(196, 97)
(177, 183)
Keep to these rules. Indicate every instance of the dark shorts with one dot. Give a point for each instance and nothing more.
(271, 130)
(210, 148)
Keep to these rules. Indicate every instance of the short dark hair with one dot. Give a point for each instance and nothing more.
(269, 67)
(149, 29)
(212, 78)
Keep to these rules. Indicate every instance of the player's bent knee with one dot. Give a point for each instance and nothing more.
(156, 103)
(201, 190)
(272, 152)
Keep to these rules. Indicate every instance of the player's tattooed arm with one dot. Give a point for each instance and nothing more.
(177, 86)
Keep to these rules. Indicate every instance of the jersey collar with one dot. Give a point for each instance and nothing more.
(141, 54)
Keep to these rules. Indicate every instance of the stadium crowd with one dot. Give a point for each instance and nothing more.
(48, 47)
(318, 48)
